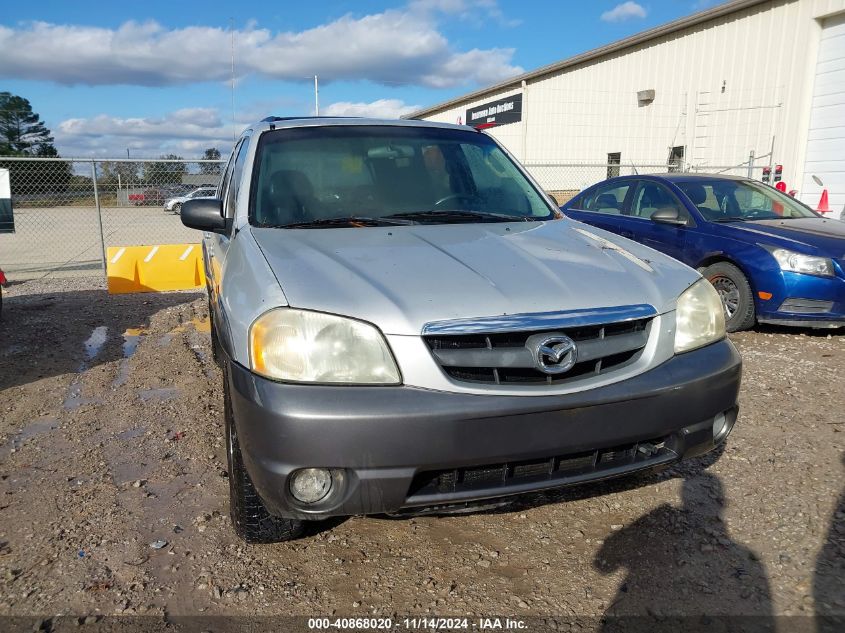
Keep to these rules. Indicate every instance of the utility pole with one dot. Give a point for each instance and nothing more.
(234, 124)
(316, 97)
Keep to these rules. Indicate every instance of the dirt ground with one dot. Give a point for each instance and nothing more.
(113, 494)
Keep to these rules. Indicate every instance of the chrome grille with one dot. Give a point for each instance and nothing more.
(508, 357)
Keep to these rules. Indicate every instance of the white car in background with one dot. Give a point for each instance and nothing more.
(174, 205)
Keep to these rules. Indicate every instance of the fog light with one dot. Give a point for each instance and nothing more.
(310, 485)
(720, 426)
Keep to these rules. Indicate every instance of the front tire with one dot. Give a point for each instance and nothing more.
(736, 294)
(177, 208)
(250, 517)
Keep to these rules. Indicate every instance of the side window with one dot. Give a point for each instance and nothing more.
(608, 199)
(651, 196)
(227, 173)
(234, 184)
(581, 203)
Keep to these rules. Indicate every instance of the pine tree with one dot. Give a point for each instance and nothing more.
(22, 133)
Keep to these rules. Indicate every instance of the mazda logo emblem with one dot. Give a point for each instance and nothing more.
(555, 354)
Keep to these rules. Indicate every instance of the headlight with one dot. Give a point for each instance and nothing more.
(798, 263)
(699, 317)
(302, 346)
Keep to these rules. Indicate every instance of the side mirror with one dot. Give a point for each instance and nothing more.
(205, 214)
(664, 215)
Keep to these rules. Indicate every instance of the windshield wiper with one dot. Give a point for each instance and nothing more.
(733, 218)
(462, 215)
(351, 220)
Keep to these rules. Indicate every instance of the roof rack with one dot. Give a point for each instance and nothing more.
(272, 119)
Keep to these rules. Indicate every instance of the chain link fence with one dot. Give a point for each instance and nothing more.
(67, 212)
(564, 180)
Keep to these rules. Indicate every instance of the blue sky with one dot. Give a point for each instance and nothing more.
(154, 76)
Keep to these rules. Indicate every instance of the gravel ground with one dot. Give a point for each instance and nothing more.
(113, 494)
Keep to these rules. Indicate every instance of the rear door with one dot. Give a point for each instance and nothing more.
(604, 206)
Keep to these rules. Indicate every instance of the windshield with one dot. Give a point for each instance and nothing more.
(333, 176)
(741, 200)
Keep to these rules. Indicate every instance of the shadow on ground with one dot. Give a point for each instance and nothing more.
(45, 335)
(829, 577)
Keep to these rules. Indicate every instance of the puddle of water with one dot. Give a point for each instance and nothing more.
(159, 394)
(197, 323)
(131, 339)
(131, 433)
(74, 402)
(95, 342)
(74, 399)
(125, 470)
(122, 374)
(37, 427)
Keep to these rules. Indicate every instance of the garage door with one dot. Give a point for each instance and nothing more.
(826, 138)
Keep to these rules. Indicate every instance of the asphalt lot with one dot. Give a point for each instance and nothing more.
(65, 241)
(111, 440)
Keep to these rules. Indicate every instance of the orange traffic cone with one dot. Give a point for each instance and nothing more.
(823, 207)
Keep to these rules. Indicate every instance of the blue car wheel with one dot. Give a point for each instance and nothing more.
(735, 292)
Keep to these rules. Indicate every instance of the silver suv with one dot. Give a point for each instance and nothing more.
(406, 323)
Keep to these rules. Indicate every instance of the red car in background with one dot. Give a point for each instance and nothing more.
(2, 285)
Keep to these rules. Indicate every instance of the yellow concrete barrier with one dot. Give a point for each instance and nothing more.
(154, 268)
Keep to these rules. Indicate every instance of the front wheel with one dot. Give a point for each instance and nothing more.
(250, 518)
(735, 293)
(177, 208)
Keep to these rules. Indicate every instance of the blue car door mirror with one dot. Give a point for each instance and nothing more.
(668, 215)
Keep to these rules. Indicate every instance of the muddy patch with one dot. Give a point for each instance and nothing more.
(31, 430)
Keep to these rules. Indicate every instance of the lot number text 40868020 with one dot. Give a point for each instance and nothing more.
(418, 624)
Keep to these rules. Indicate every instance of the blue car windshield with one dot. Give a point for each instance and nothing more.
(724, 200)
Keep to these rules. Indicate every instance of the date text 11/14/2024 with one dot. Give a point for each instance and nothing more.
(418, 624)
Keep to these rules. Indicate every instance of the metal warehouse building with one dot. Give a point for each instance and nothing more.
(701, 93)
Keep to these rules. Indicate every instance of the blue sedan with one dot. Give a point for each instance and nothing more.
(771, 258)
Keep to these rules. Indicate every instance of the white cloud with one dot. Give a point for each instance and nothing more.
(186, 132)
(470, 10)
(624, 11)
(397, 46)
(380, 109)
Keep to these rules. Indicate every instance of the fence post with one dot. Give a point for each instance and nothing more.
(751, 164)
(99, 215)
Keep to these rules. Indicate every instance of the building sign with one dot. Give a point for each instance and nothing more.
(7, 220)
(499, 112)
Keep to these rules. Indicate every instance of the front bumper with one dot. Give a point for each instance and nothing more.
(791, 288)
(394, 443)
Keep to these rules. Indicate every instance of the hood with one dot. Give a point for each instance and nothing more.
(818, 236)
(401, 278)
